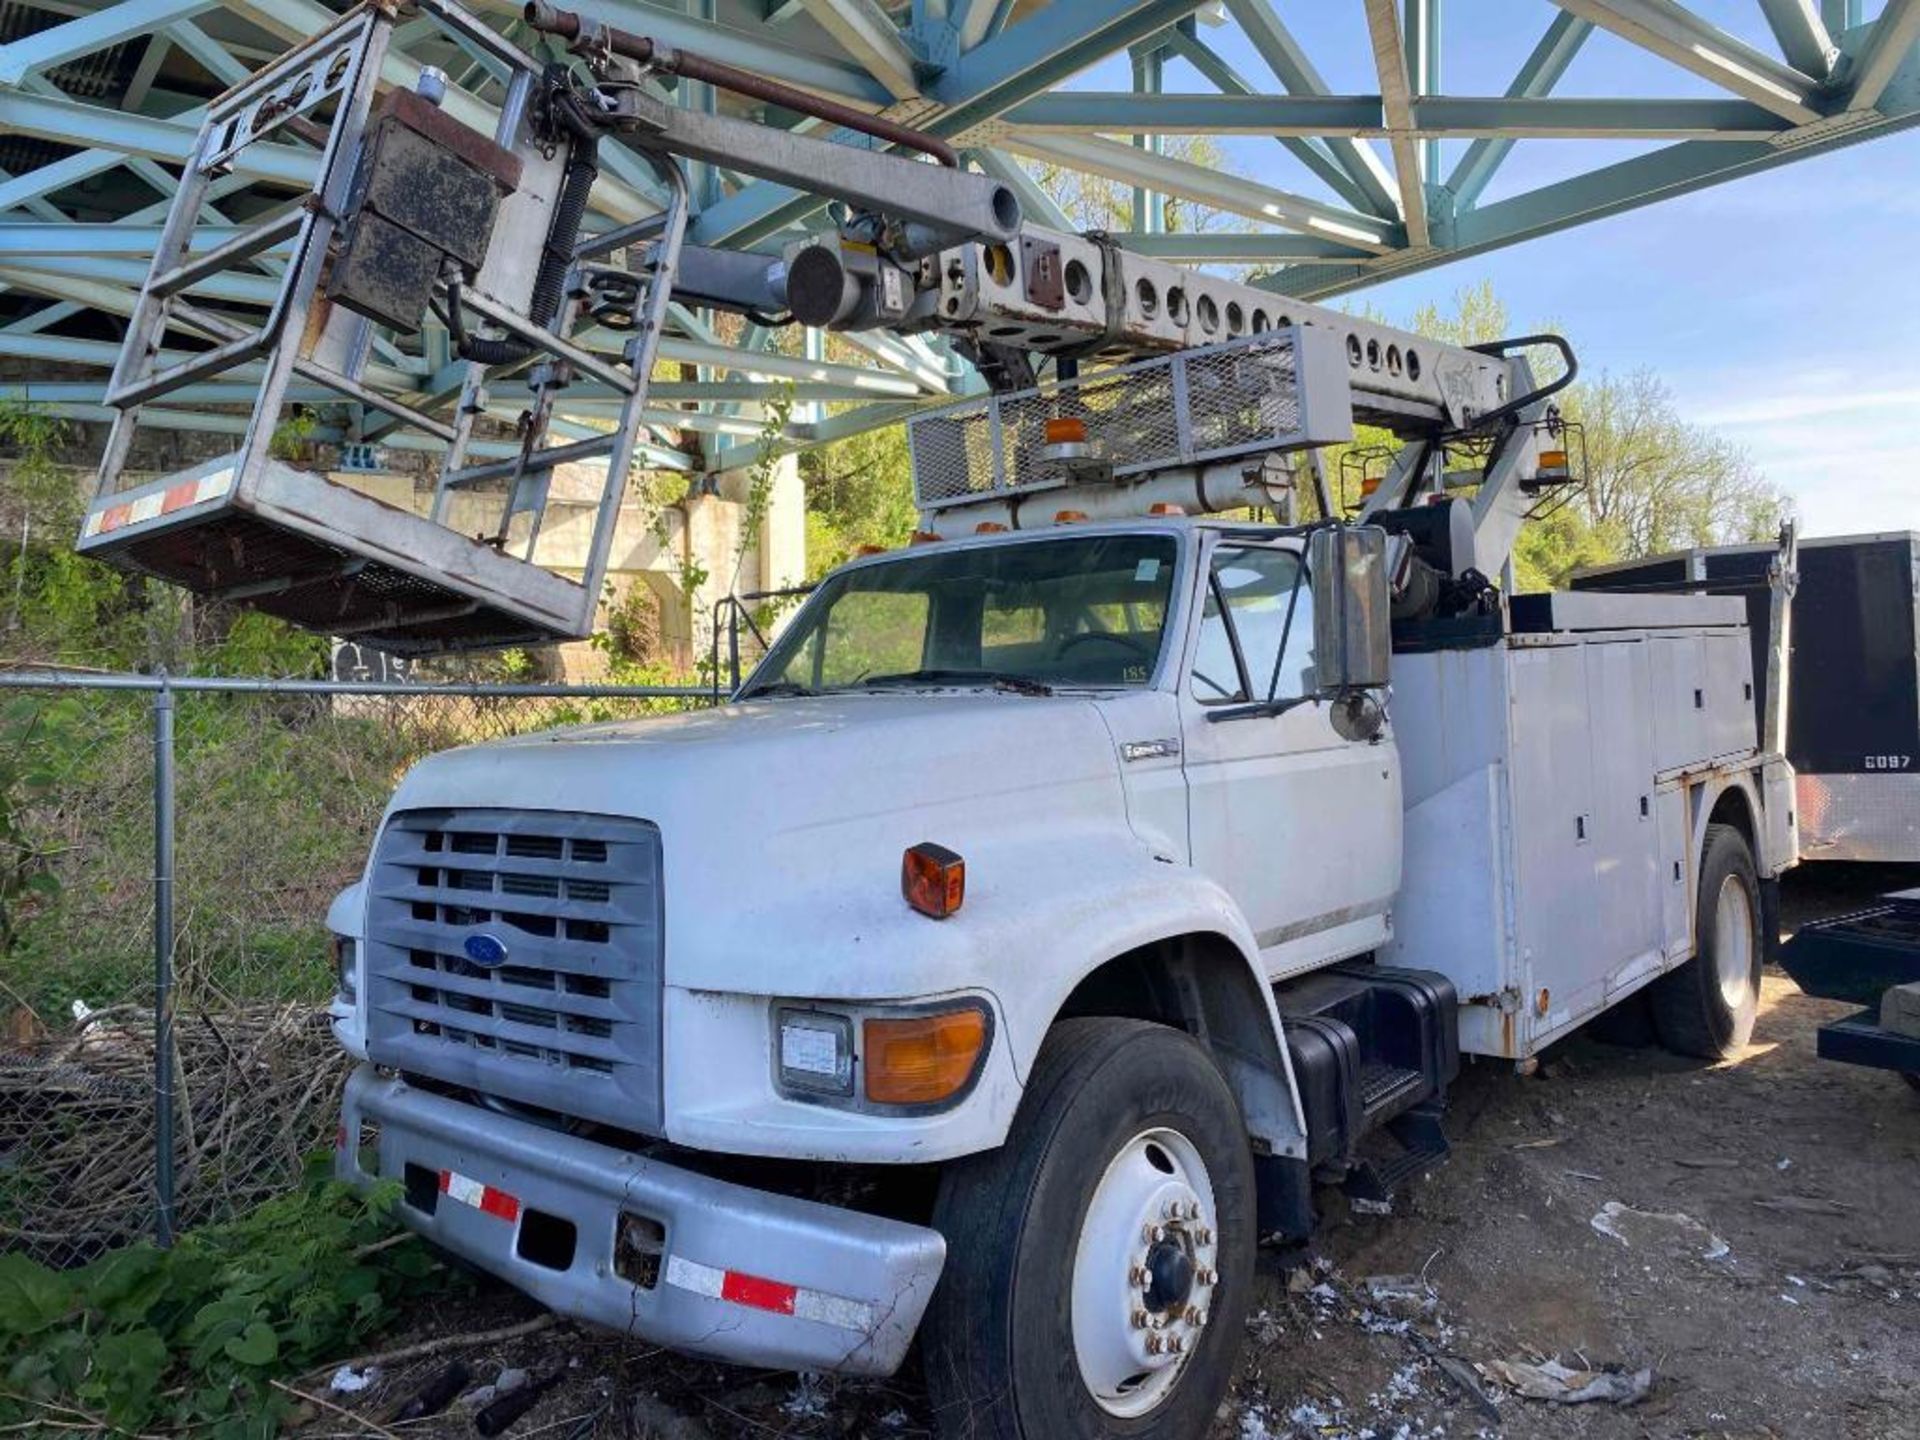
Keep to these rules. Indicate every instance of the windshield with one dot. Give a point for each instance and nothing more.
(1086, 611)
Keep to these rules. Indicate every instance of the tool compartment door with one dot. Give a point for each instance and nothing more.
(1625, 829)
(1562, 933)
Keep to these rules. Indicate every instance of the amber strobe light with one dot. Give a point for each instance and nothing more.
(924, 1059)
(933, 879)
(1066, 431)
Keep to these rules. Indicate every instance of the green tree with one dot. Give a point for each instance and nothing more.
(859, 492)
(1655, 481)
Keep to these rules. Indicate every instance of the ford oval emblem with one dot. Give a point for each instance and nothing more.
(486, 950)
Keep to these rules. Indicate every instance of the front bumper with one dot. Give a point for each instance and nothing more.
(742, 1275)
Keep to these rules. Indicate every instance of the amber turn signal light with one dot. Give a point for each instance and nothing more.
(933, 879)
(923, 1059)
(1065, 430)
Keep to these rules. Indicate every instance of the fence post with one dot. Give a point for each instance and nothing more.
(163, 816)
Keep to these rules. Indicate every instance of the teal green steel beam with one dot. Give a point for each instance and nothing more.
(1042, 50)
(1802, 33)
(1540, 72)
(25, 238)
(1390, 45)
(82, 36)
(759, 49)
(1670, 171)
(1422, 29)
(1203, 185)
(1888, 46)
(980, 85)
(1149, 206)
(1236, 248)
(71, 122)
(1290, 65)
(1677, 34)
(57, 176)
(1117, 112)
(1111, 112)
(1311, 153)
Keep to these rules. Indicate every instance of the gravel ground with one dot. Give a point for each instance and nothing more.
(1760, 1281)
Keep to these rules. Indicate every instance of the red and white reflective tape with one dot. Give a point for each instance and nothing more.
(483, 1198)
(756, 1293)
(156, 503)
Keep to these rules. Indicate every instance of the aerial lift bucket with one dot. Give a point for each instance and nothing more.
(361, 203)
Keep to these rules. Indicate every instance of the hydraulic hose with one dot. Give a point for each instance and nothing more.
(567, 25)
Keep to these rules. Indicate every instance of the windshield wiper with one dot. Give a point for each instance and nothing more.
(999, 679)
(777, 687)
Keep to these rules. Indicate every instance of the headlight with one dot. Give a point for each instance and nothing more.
(345, 967)
(816, 1052)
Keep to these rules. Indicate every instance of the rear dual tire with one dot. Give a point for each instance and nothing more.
(1100, 1261)
(1707, 1006)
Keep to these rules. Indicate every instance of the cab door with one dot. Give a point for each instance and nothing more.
(1300, 826)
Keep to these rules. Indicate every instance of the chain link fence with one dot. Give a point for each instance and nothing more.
(168, 850)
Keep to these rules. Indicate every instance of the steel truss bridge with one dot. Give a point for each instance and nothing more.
(99, 103)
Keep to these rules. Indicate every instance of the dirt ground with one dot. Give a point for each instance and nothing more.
(1765, 1270)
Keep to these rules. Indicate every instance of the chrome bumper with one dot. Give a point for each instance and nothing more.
(741, 1275)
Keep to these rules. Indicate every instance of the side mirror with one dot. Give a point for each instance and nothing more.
(1352, 642)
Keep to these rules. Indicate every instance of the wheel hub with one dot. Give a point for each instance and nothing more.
(1169, 1277)
(1144, 1272)
(1734, 937)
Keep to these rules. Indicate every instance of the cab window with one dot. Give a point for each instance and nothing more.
(1256, 628)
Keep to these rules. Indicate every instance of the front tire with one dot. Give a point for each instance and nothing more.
(1707, 1006)
(1100, 1261)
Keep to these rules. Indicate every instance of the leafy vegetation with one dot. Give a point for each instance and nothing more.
(192, 1338)
(63, 608)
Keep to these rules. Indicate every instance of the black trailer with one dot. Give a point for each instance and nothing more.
(1853, 679)
(1860, 959)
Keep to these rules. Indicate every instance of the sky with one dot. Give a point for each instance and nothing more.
(1781, 309)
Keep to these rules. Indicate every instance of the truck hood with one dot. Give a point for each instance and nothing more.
(782, 823)
(772, 767)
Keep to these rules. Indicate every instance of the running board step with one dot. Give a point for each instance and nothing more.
(1382, 1084)
(1423, 1145)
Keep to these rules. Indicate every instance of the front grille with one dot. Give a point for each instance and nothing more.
(517, 953)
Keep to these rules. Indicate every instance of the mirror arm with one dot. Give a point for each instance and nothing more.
(1262, 707)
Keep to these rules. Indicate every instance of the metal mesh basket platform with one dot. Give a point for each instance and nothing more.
(331, 559)
(1283, 390)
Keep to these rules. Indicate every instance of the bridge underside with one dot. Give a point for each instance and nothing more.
(1388, 173)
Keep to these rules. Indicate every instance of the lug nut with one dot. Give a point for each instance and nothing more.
(1139, 1319)
(1203, 1236)
(1155, 1344)
(1205, 1276)
(1137, 1275)
(1193, 1315)
(1193, 1209)
(1175, 1345)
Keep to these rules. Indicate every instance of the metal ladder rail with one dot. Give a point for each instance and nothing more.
(135, 379)
(533, 473)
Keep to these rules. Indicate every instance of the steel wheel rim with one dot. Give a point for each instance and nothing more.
(1150, 1220)
(1733, 941)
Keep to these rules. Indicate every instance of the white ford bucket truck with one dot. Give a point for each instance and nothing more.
(1059, 902)
(1077, 876)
